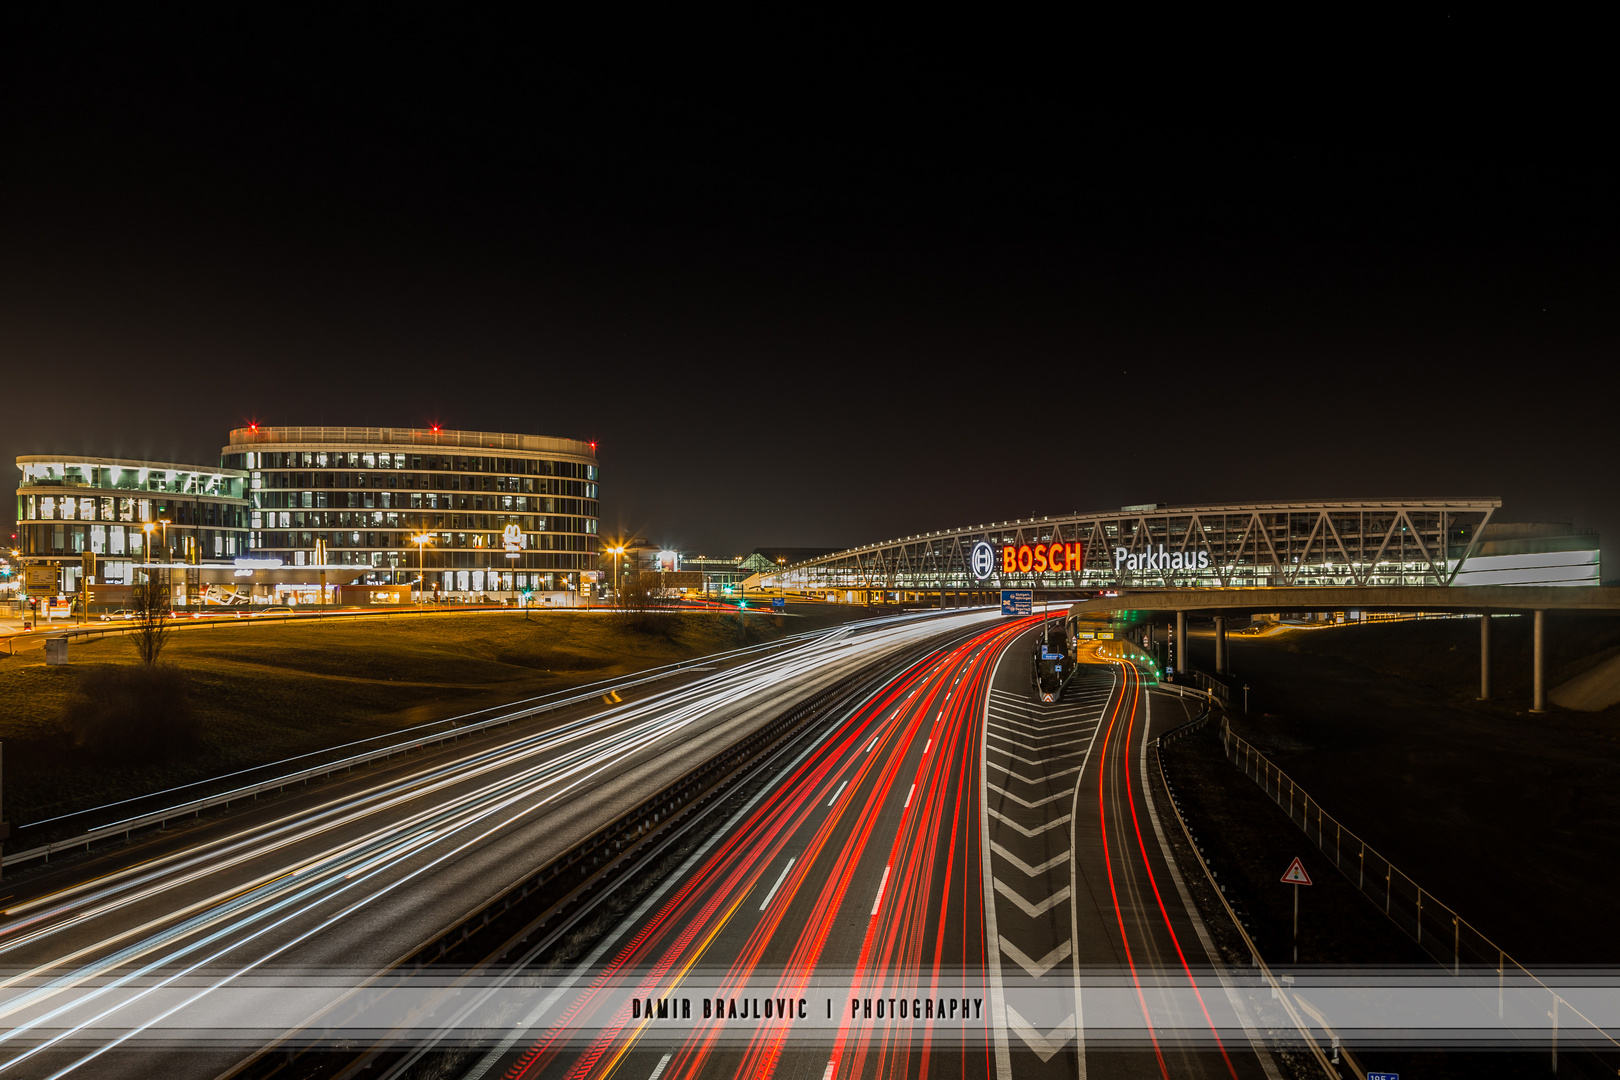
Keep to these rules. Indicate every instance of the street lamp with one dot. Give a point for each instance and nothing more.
(421, 541)
(616, 552)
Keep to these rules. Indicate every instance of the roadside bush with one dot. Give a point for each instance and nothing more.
(132, 713)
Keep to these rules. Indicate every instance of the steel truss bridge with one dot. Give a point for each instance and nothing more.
(1417, 542)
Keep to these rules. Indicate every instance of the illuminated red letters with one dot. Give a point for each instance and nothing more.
(1042, 558)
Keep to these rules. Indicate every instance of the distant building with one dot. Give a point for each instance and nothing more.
(787, 556)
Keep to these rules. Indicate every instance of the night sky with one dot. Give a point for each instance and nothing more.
(816, 284)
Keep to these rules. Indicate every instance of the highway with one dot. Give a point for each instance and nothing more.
(954, 881)
(106, 970)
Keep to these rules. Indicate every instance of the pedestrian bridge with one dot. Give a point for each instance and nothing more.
(1366, 543)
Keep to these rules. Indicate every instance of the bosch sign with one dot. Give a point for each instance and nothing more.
(1041, 558)
(1053, 558)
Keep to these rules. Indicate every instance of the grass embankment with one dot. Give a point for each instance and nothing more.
(266, 692)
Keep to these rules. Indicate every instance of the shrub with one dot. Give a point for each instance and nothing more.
(132, 713)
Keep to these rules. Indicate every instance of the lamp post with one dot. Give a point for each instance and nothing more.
(616, 552)
(421, 540)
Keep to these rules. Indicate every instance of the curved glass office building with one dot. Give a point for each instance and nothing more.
(500, 513)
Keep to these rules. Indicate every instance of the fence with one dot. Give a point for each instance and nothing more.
(1522, 1000)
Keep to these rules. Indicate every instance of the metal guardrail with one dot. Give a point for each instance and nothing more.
(1280, 991)
(193, 808)
(1437, 928)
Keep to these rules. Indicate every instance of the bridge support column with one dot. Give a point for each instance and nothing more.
(1539, 659)
(1181, 643)
(1220, 645)
(1485, 657)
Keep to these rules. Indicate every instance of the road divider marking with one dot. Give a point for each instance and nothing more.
(909, 794)
(1034, 911)
(659, 1071)
(881, 886)
(871, 744)
(837, 793)
(1040, 967)
(1029, 871)
(778, 884)
(1031, 833)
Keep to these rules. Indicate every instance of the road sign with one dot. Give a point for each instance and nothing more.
(778, 601)
(1296, 875)
(1017, 601)
(1383, 1076)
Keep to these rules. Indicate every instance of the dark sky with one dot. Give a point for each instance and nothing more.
(818, 284)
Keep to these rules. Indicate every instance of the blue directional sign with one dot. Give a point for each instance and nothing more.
(1383, 1076)
(779, 601)
(1017, 601)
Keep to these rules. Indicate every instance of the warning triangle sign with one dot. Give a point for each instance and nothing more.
(1296, 875)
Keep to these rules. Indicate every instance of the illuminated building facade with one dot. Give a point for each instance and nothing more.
(502, 513)
(67, 506)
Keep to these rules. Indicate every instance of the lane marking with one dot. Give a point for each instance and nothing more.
(1035, 761)
(1029, 871)
(837, 793)
(1038, 968)
(1035, 779)
(1034, 911)
(909, 794)
(659, 1071)
(1025, 803)
(929, 746)
(881, 886)
(1031, 833)
(778, 884)
(1045, 1046)
(1040, 749)
(872, 744)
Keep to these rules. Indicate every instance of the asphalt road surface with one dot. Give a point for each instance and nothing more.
(112, 967)
(955, 881)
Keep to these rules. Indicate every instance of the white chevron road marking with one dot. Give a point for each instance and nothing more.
(1040, 967)
(1025, 803)
(1035, 749)
(1031, 833)
(1035, 761)
(1045, 1046)
(1029, 870)
(1032, 780)
(1034, 911)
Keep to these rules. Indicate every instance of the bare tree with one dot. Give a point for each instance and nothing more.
(151, 604)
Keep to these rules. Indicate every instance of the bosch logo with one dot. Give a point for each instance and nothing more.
(982, 560)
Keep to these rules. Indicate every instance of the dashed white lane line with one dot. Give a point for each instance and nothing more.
(928, 746)
(871, 744)
(909, 794)
(659, 1071)
(884, 884)
(778, 884)
(837, 793)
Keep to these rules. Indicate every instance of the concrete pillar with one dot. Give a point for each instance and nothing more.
(1539, 659)
(1181, 642)
(1485, 657)
(1220, 645)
